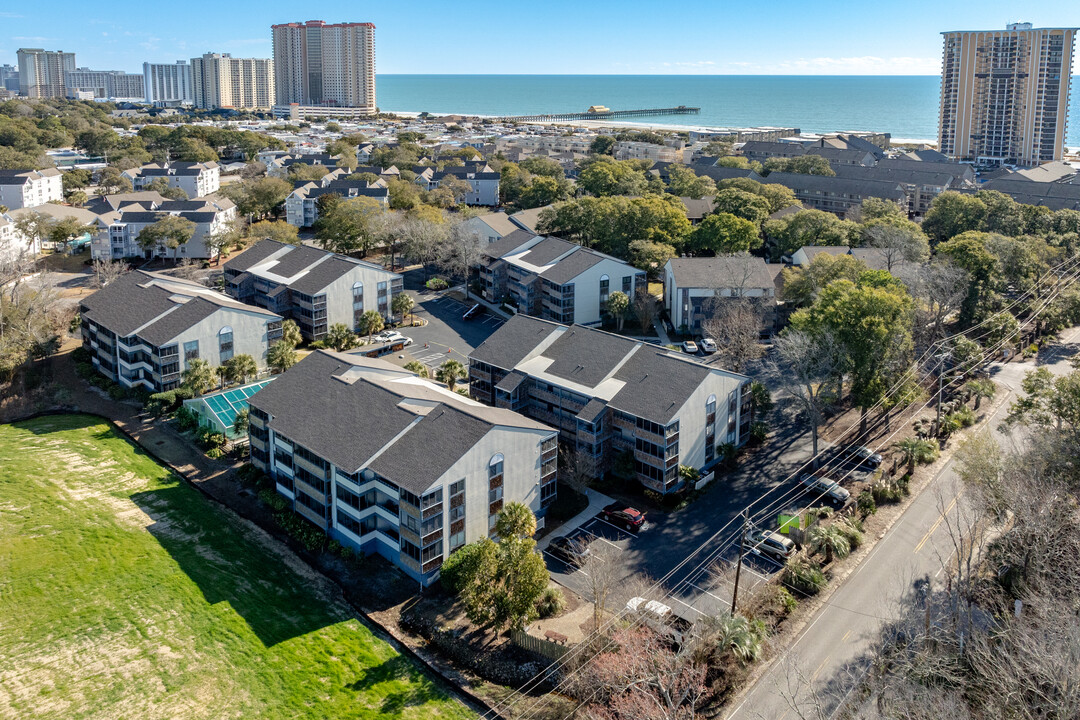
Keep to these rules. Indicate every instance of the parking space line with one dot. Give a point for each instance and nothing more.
(689, 606)
(601, 538)
(714, 597)
(616, 527)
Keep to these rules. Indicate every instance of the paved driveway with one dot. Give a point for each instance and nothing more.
(446, 335)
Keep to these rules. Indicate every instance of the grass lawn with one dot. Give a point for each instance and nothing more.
(126, 594)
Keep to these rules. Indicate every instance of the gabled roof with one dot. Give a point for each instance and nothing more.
(508, 243)
(527, 219)
(499, 222)
(21, 177)
(639, 378)
(157, 307)
(732, 272)
(846, 186)
(303, 268)
(360, 412)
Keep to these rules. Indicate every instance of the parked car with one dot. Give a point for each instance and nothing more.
(829, 489)
(572, 551)
(708, 345)
(690, 347)
(388, 337)
(771, 543)
(624, 516)
(472, 312)
(860, 456)
(657, 610)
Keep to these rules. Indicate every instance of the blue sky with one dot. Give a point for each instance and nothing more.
(778, 37)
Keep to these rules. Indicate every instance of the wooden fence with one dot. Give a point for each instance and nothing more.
(550, 650)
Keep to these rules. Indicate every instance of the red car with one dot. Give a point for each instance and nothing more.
(624, 516)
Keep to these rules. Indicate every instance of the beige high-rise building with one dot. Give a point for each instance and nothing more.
(41, 72)
(1005, 94)
(325, 65)
(222, 81)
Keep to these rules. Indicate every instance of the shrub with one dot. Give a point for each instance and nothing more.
(118, 392)
(551, 603)
(249, 475)
(759, 432)
(214, 453)
(188, 419)
(803, 576)
(81, 355)
(886, 493)
(728, 454)
(851, 529)
(787, 600)
(301, 530)
(865, 504)
(436, 283)
(85, 370)
(965, 416)
(272, 500)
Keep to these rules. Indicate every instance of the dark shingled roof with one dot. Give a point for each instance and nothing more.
(592, 410)
(657, 384)
(348, 424)
(508, 243)
(430, 448)
(571, 266)
(123, 306)
(586, 356)
(510, 381)
(254, 255)
(177, 321)
(513, 341)
(298, 258)
(721, 272)
(827, 183)
(547, 250)
(321, 275)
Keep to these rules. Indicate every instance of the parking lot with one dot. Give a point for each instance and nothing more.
(446, 334)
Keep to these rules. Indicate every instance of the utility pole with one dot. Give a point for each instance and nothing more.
(940, 389)
(738, 567)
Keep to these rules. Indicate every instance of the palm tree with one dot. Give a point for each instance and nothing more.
(341, 338)
(916, 451)
(831, 540)
(402, 304)
(240, 367)
(290, 333)
(417, 367)
(242, 422)
(743, 637)
(281, 356)
(450, 372)
(515, 520)
(982, 388)
(199, 376)
(371, 322)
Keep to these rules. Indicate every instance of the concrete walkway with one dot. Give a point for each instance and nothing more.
(597, 502)
(661, 333)
(473, 299)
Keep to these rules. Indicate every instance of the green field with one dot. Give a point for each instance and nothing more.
(126, 594)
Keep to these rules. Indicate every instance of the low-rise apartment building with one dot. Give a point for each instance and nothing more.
(302, 205)
(389, 463)
(118, 231)
(143, 329)
(196, 179)
(836, 194)
(30, 188)
(554, 279)
(316, 288)
(690, 284)
(611, 396)
(482, 179)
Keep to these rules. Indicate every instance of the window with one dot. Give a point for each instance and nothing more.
(457, 540)
(627, 284)
(495, 466)
(225, 343)
(358, 295)
(191, 351)
(605, 281)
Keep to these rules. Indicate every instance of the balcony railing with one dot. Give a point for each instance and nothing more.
(311, 515)
(309, 490)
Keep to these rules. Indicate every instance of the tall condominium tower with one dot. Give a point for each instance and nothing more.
(167, 84)
(1005, 94)
(329, 65)
(222, 81)
(41, 72)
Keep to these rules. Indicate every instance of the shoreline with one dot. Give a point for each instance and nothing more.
(672, 127)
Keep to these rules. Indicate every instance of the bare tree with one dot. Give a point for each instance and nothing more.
(602, 573)
(461, 251)
(423, 240)
(897, 245)
(105, 271)
(809, 364)
(735, 323)
(939, 289)
(644, 309)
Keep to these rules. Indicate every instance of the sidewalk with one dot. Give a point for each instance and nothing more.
(661, 333)
(597, 502)
(473, 299)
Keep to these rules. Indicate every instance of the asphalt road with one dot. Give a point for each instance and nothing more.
(446, 334)
(827, 658)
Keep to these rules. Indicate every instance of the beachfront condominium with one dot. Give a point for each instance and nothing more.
(317, 64)
(41, 72)
(222, 81)
(1005, 94)
(87, 84)
(391, 464)
(167, 84)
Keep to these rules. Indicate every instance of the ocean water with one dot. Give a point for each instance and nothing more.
(905, 106)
